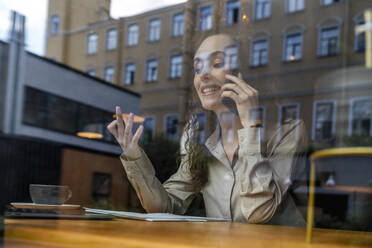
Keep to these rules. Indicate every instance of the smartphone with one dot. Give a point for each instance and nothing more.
(228, 102)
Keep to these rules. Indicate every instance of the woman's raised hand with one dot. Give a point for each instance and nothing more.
(244, 95)
(122, 131)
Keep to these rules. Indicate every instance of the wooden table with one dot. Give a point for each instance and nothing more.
(131, 233)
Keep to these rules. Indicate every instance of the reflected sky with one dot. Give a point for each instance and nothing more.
(36, 12)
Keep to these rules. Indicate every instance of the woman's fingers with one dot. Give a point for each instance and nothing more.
(232, 95)
(128, 130)
(137, 135)
(239, 81)
(120, 123)
(112, 127)
(233, 87)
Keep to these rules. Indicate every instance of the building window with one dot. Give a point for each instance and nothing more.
(101, 187)
(231, 58)
(201, 119)
(262, 9)
(232, 12)
(171, 127)
(54, 25)
(329, 2)
(293, 47)
(154, 30)
(108, 74)
(92, 43)
(91, 72)
(148, 129)
(360, 38)
(175, 66)
(151, 70)
(323, 124)
(59, 114)
(288, 112)
(133, 33)
(259, 53)
(178, 24)
(328, 41)
(295, 5)
(111, 39)
(130, 72)
(361, 117)
(205, 19)
(258, 114)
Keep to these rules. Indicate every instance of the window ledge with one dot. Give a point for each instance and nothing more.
(173, 78)
(291, 61)
(327, 56)
(150, 82)
(262, 19)
(176, 36)
(258, 66)
(152, 41)
(295, 12)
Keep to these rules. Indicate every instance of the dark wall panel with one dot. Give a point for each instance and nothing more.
(24, 161)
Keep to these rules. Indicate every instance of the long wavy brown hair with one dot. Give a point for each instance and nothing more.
(196, 156)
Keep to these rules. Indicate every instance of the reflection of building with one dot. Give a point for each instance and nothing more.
(44, 108)
(286, 54)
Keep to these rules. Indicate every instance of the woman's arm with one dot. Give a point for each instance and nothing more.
(266, 180)
(173, 197)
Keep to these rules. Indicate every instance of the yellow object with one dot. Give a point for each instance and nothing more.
(89, 135)
(335, 152)
(137, 119)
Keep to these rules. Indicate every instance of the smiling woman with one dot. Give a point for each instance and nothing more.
(213, 107)
(254, 187)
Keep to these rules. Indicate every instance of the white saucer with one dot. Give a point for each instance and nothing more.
(28, 205)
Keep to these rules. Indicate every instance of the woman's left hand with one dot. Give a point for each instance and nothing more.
(244, 95)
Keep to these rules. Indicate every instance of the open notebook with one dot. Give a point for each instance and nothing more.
(153, 217)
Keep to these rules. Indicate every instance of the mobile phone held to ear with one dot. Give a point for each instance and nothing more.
(228, 102)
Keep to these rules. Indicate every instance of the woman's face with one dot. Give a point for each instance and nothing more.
(210, 70)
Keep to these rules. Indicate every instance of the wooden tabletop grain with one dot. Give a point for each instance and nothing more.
(132, 233)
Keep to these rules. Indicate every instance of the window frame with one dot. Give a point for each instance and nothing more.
(252, 51)
(148, 61)
(177, 34)
(52, 31)
(334, 114)
(105, 68)
(357, 19)
(320, 29)
(129, 34)
(227, 2)
(322, 2)
(351, 114)
(150, 30)
(287, 5)
(171, 66)
(88, 52)
(199, 17)
(108, 39)
(254, 14)
(286, 35)
(88, 71)
(165, 125)
(154, 124)
(263, 121)
(280, 113)
(126, 71)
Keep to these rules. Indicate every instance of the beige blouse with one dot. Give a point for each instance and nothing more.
(250, 191)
